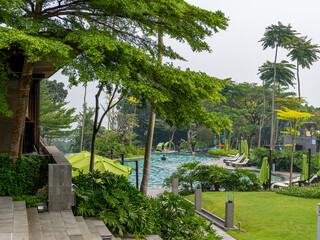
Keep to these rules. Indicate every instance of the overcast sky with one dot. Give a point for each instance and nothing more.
(236, 52)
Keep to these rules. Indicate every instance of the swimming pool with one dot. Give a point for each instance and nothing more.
(160, 170)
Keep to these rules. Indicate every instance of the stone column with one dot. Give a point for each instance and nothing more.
(175, 184)
(229, 212)
(198, 199)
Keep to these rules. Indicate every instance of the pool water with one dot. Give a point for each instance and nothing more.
(160, 170)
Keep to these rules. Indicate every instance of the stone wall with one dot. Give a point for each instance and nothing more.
(305, 141)
(59, 182)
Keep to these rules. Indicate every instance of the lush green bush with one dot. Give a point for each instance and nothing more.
(200, 145)
(24, 177)
(211, 178)
(176, 219)
(31, 201)
(311, 191)
(118, 147)
(282, 159)
(124, 209)
(222, 152)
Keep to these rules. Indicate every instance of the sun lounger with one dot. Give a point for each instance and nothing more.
(313, 179)
(239, 159)
(244, 163)
(281, 184)
(233, 158)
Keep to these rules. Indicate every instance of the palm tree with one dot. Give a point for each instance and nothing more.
(304, 53)
(276, 36)
(284, 78)
(284, 74)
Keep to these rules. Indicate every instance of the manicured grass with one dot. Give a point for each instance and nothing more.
(267, 215)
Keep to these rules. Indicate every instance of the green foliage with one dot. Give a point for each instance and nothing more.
(31, 201)
(222, 152)
(124, 209)
(119, 205)
(284, 73)
(189, 226)
(282, 159)
(200, 145)
(311, 191)
(111, 140)
(210, 178)
(24, 177)
(55, 118)
(4, 72)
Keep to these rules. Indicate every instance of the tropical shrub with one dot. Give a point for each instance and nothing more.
(241, 180)
(24, 177)
(200, 145)
(282, 159)
(222, 152)
(176, 219)
(212, 178)
(118, 147)
(311, 191)
(125, 210)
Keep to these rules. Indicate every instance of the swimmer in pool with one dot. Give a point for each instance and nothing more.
(163, 157)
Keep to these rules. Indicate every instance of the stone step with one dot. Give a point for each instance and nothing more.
(34, 225)
(6, 217)
(20, 221)
(98, 228)
(46, 227)
(85, 230)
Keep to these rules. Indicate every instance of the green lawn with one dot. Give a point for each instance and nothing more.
(267, 215)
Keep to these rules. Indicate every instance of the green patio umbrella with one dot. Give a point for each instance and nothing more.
(81, 162)
(264, 171)
(244, 148)
(305, 168)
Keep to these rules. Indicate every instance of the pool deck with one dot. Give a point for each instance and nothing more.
(284, 175)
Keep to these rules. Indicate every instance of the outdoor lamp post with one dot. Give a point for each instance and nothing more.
(229, 215)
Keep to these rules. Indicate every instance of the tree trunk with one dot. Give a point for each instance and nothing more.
(147, 153)
(298, 79)
(262, 117)
(83, 118)
(172, 136)
(292, 152)
(273, 93)
(96, 125)
(19, 116)
(149, 138)
(95, 129)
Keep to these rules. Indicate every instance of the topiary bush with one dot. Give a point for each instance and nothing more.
(24, 177)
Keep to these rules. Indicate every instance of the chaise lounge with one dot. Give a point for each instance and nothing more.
(238, 160)
(244, 163)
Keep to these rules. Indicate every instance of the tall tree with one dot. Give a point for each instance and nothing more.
(55, 118)
(304, 53)
(276, 36)
(66, 33)
(294, 117)
(277, 75)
